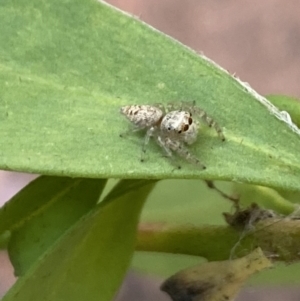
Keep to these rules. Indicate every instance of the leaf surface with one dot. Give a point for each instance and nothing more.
(52, 205)
(90, 260)
(66, 69)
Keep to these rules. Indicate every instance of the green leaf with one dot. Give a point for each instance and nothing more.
(35, 198)
(67, 69)
(58, 203)
(90, 260)
(289, 104)
(265, 197)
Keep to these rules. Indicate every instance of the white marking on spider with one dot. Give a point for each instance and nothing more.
(173, 128)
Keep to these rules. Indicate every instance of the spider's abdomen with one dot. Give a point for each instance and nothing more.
(143, 115)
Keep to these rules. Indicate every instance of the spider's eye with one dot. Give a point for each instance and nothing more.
(169, 128)
(186, 127)
(179, 132)
(190, 120)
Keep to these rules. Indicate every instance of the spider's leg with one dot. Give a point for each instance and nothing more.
(183, 152)
(168, 152)
(209, 121)
(170, 107)
(150, 132)
(174, 106)
(161, 142)
(130, 131)
(160, 106)
(182, 106)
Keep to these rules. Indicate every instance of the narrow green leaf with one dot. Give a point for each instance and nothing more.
(67, 68)
(34, 199)
(64, 206)
(90, 260)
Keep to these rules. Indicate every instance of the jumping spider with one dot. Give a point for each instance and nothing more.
(173, 127)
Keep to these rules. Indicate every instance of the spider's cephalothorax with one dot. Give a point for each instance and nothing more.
(180, 125)
(173, 129)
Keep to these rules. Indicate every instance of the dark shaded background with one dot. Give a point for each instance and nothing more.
(257, 40)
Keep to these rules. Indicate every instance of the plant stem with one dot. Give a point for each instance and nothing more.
(278, 238)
